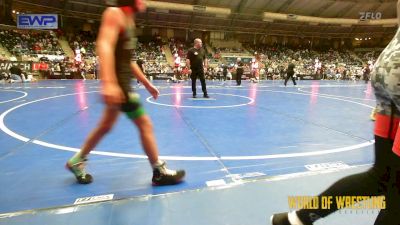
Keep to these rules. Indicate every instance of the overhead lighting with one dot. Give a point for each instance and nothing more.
(13, 11)
(389, 25)
(221, 16)
(268, 20)
(162, 10)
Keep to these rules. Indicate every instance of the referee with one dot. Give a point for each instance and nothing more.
(239, 71)
(290, 72)
(195, 60)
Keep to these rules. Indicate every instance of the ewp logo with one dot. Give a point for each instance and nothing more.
(37, 21)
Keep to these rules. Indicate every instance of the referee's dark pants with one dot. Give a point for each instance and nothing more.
(200, 75)
(366, 77)
(239, 78)
(290, 75)
(225, 74)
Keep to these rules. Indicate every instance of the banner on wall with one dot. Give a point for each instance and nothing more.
(37, 21)
(6, 65)
(308, 76)
(26, 66)
(161, 76)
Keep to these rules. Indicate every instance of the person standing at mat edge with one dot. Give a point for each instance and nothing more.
(239, 71)
(290, 72)
(115, 43)
(196, 60)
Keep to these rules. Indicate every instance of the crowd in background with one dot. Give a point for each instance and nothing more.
(30, 45)
(272, 62)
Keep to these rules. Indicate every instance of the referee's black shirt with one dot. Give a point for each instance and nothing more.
(196, 57)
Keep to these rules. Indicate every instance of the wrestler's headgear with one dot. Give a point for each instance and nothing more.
(137, 5)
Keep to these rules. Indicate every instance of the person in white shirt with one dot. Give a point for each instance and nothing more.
(255, 70)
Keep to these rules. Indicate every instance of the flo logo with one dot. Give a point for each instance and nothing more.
(370, 15)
